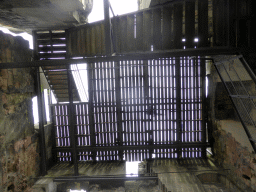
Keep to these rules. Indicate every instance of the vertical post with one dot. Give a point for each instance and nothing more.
(190, 23)
(203, 23)
(71, 121)
(178, 105)
(91, 108)
(204, 109)
(41, 125)
(118, 108)
(107, 27)
(35, 51)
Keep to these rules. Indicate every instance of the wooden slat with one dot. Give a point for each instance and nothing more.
(93, 40)
(177, 26)
(167, 34)
(203, 23)
(139, 31)
(190, 24)
(102, 36)
(130, 33)
(78, 42)
(123, 33)
(98, 40)
(220, 24)
(157, 36)
(69, 43)
(147, 33)
(88, 40)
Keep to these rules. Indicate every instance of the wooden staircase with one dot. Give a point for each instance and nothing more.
(51, 45)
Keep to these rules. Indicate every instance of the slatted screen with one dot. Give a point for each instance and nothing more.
(154, 107)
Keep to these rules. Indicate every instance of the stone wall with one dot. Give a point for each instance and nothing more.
(19, 152)
(231, 146)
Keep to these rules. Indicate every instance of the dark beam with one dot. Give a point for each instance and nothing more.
(41, 125)
(132, 147)
(128, 56)
(118, 108)
(102, 178)
(178, 105)
(204, 104)
(107, 27)
(71, 123)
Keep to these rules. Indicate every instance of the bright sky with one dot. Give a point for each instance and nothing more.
(120, 7)
(24, 35)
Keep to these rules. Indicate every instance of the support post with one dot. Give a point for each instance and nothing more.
(178, 106)
(119, 110)
(71, 122)
(204, 109)
(91, 108)
(107, 28)
(41, 125)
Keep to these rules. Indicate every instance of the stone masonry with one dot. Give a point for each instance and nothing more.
(19, 157)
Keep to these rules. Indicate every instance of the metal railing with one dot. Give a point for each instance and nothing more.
(240, 83)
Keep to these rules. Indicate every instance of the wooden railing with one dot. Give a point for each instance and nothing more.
(178, 25)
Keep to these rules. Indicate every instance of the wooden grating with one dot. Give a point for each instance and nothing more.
(154, 107)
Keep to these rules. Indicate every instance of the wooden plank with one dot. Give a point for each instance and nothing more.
(93, 40)
(167, 34)
(190, 23)
(178, 105)
(82, 48)
(130, 33)
(177, 26)
(157, 36)
(102, 37)
(79, 41)
(88, 41)
(220, 33)
(147, 33)
(203, 23)
(123, 33)
(139, 31)
(98, 40)
(116, 33)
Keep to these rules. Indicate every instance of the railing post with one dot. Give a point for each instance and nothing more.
(107, 28)
(91, 108)
(119, 109)
(71, 113)
(204, 109)
(178, 106)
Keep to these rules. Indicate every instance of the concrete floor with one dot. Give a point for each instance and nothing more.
(194, 175)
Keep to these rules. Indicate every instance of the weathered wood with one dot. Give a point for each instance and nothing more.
(107, 28)
(190, 24)
(98, 40)
(123, 33)
(130, 33)
(88, 41)
(220, 23)
(203, 25)
(139, 31)
(93, 40)
(147, 33)
(177, 26)
(102, 37)
(157, 22)
(167, 34)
